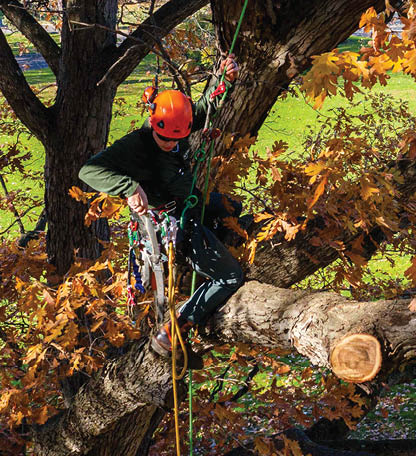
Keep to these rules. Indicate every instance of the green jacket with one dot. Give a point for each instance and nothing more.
(136, 159)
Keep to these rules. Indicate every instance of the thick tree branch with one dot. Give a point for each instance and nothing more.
(18, 15)
(314, 323)
(257, 314)
(120, 63)
(19, 95)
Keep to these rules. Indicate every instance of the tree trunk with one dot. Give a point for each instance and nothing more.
(82, 131)
(82, 115)
(275, 44)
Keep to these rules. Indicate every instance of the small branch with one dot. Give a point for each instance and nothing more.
(24, 213)
(220, 383)
(34, 234)
(152, 7)
(247, 382)
(12, 207)
(174, 70)
(244, 189)
(168, 16)
(163, 55)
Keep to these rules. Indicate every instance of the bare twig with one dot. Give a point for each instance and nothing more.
(162, 54)
(244, 189)
(240, 393)
(220, 383)
(152, 7)
(13, 209)
(24, 213)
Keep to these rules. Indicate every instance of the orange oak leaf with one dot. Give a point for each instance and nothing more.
(318, 191)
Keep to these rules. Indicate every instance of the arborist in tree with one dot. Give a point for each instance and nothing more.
(150, 166)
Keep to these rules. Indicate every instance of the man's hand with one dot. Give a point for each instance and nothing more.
(138, 201)
(231, 68)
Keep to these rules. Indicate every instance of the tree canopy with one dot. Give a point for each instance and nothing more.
(78, 377)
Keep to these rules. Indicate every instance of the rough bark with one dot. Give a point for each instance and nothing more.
(139, 381)
(275, 44)
(136, 383)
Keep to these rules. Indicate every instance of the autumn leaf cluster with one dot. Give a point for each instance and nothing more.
(388, 53)
(346, 183)
(53, 332)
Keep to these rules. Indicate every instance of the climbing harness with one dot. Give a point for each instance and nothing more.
(148, 237)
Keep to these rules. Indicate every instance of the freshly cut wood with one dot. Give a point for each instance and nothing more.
(357, 358)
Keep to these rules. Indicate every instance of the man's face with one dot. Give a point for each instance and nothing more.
(166, 144)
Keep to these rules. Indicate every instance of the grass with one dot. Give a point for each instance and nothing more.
(288, 120)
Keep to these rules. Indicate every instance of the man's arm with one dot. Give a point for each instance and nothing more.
(118, 169)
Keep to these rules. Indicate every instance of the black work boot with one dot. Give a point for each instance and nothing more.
(161, 343)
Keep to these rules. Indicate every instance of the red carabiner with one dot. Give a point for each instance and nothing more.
(219, 90)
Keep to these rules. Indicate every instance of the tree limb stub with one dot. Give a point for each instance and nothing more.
(259, 314)
(315, 323)
(357, 358)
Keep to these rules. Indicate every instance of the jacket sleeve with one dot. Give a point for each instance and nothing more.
(118, 169)
(201, 107)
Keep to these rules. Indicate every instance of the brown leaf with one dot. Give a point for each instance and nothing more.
(232, 223)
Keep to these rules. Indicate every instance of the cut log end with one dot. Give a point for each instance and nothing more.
(356, 358)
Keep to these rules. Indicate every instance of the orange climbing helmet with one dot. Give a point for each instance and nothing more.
(170, 113)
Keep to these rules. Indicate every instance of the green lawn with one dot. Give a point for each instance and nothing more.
(289, 119)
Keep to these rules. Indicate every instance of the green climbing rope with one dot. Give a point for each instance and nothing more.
(200, 156)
